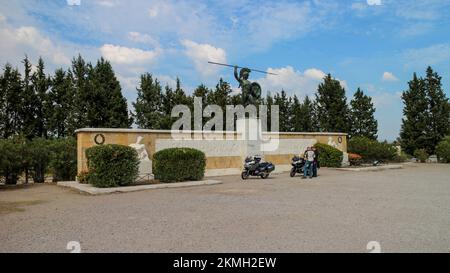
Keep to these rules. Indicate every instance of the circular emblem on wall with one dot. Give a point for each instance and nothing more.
(340, 139)
(99, 139)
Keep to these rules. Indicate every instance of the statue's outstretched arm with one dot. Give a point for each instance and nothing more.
(236, 74)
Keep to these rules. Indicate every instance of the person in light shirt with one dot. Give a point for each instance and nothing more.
(309, 161)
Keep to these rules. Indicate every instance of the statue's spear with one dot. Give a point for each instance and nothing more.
(229, 65)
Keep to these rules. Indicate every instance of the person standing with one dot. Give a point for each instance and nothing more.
(309, 161)
(316, 161)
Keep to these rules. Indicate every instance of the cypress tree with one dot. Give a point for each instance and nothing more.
(61, 95)
(331, 103)
(41, 85)
(307, 114)
(363, 122)
(107, 108)
(296, 115)
(414, 123)
(148, 106)
(82, 93)
(283, 103)
(167, 105)
(438, 110)
(29, 103)
(11, 88)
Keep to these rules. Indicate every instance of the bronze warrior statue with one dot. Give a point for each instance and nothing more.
(251, 91)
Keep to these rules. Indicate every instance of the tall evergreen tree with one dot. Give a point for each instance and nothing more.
(168, 102)
(82, 93)
(180, 97)
(331, 103)
(282, 101)
(296, 119)
(306, 114)
(61, 95)
(41, 85)
(11, 88)
(362, 120)
(202, 92)
(30, 101)
(107, 107)
(414, 127)
(438, 110)
(269, 101)
(148, 106)
(220, 95)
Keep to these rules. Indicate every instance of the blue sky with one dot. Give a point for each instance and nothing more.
(373, 44)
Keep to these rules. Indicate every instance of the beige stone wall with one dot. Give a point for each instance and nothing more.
(221, 154)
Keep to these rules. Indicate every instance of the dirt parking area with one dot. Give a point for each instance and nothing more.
(406, 210)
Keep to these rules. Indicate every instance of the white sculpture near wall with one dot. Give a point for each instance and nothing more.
(332, 143)
(145, 165)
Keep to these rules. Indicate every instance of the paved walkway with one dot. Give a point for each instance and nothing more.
(406, 210)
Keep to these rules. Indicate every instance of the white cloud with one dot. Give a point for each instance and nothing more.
(142, 38)
(2, 18)
(389, 77)
(73, 2)
(107, 3)
(29, 40)
(200, 54)
(293, 81)
(374, 2)
(124, 55)
(426, 56)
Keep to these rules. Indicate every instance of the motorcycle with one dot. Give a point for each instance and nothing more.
(298, 164)
(254, 167)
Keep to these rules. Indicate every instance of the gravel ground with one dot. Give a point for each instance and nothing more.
(405, 210)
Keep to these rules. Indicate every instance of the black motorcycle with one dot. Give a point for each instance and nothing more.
(298, 164)
(254, 167)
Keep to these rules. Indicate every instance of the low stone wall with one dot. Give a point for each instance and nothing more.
(224, 154)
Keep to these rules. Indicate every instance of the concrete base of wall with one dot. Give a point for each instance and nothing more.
(86, 188)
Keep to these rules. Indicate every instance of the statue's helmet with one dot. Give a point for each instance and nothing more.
(244, 70)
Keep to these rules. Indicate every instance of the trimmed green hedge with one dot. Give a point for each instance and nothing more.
(179, 164)
(63, 159)
(112, 165)
(329, 156)
(443, 150)
(421, 155)
(371, 150)
(11, 160)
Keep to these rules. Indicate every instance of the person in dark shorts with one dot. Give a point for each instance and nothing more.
(316, 165)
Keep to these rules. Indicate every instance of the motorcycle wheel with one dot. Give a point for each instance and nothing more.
(293, 172)
(244, 175)
(264, 175)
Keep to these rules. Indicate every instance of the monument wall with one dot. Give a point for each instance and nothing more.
(223, 155)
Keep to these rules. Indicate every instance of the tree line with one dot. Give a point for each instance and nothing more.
(426, 114)
(327, 112)
(37, 104)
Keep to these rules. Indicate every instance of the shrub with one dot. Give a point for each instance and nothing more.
(371, 150)
(39, 152)
(63, 161)
(443, 150)
(421, 155)
(11, 160)
(112, 165)
(329, 156)
(83, 177)
(354, 159)
(179, 164)
(403, 157)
